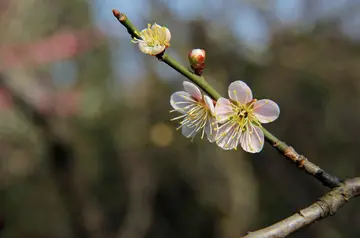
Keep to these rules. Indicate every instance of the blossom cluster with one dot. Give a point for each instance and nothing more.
(228, 122)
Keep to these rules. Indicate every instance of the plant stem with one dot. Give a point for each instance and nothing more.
(325, 206)
(301, 161)
(289, 152)
(124, 20)
(200, 81)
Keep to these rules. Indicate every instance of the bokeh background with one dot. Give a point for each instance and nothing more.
(87, 147)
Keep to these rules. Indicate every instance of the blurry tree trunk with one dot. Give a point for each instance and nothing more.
(55, 16)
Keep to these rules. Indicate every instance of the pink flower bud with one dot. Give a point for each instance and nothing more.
(197, 60)
(197, 56)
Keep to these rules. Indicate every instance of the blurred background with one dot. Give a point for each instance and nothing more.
(87, 147)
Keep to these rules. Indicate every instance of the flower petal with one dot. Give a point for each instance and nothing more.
(266, 110)
(252, 140)
(210, 104)
(211, 128)
(155, 26)
(188, 132)
(181, 101)
(243, 142)
(146, 34)
(193, 90)
(240, 91)
(223, 110)
(167, 35)
(227, 136)
(150, 50)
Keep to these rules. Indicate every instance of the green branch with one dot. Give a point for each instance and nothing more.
(289, 152)
(198, 80)
(124, 20)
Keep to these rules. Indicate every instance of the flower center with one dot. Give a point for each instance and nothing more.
(155, 36)
(198, 113)
(196, 117)
(243, 114)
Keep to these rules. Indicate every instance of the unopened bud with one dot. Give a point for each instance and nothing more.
(197, 60)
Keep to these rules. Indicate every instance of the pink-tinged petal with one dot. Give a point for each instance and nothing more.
(193, 90)
(210, 104)
(227, 136)
(188, 132)
(240, 91)
(211, 128)
(252, 140)
(223, 110)
(181, 101)
(266, 110)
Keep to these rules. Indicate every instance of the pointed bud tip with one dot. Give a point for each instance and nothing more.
(120, 16)
(116, 13)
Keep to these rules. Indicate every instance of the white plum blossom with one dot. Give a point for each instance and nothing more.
(154, 39)
(242, 116)
(198, 112)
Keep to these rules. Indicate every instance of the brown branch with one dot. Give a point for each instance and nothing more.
(302, 162)
(326, 206)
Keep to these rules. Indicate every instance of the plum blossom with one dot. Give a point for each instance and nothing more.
(154, 39)
(242, 116)
(198, 112)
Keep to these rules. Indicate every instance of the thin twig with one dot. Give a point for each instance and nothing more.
(302, 162)
(289, 152)
(123, 19)
(327, 205)
(200, 81)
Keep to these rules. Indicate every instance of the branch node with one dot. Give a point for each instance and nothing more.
(301, 213)
(291, 154)
(301, 161)
(160, 56)
(325, 209)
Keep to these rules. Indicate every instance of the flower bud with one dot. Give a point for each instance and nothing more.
(197, 60)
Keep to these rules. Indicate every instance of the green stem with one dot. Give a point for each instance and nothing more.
(124, 20)
(200, 81)
(302, 162)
